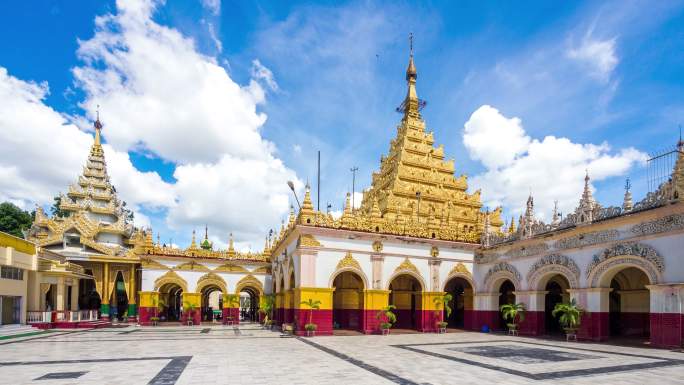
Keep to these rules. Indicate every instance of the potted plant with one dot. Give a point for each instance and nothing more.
(311, 327)
(387, 318)
(157, 303)
(190, 309)
(443, 303)
(266, 309)
(515, 313)
(570, 315)
(232, 299)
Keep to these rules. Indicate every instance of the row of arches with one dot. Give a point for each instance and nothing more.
(628, 301)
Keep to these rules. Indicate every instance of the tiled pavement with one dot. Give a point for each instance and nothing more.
(216, 354)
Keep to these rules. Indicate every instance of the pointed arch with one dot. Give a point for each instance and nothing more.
(249, 281)
(210, 279)
(170, 277)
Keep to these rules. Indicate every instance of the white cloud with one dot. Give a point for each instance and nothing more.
(260, 72)
(297, 149)
(213, 6)
(159, 94)
(41, 153)
(553, 168)
(598, 56)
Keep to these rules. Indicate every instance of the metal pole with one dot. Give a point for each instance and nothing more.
(318, 198)
(353, 170)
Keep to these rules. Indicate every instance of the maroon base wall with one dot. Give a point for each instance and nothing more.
(194, 315)
(322, 318)
(667, 330)
(429, 319)
(485, 317)
(534, 324)
(634, 324)
(145, 313)
(468, 319)
(231, 312)
(371, 324)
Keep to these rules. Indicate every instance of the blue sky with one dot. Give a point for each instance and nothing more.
(209, 106)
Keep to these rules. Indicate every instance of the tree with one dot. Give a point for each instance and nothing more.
(266, 308)
(14, 220)
(570, 314)
(312, 304)
(232, 299)
(386, 316)
(443, 302)
(514, 312)
(56, 210)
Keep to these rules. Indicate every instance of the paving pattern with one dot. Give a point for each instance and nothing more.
(248, 355)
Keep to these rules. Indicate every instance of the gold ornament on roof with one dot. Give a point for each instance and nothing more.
(377, 246)
(407, 265)
(348, 261)
(460, 268)
(308, 240)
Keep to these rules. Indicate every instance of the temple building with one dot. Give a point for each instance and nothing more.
(417, 235)
(413, 238)
(622, 265)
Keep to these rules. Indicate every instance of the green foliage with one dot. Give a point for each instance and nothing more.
(387, 316)
(56, 210)
(570, 314)
(312, 304)
(267, 305)
(443, 301)
(232, 299)
(310, 327)
(514, 312)
(189, 306)
(14, 220)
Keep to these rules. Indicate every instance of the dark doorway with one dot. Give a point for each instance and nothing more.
(506, 296)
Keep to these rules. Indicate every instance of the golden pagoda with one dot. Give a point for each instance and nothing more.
(416, 183)
(93, 221)
(415, 192)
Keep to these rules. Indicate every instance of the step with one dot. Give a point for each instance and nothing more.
(11, 330)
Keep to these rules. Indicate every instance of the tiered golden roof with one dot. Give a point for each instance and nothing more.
(85, 204)
(415, 192)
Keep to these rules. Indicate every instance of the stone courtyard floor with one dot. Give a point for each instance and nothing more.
(249, 355)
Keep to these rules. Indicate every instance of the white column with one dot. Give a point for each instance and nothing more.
(61, 294)
(533, 300)
(378, 261)
(74, 294)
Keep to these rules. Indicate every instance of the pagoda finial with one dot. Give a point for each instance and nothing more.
(231, 247)
(193, 244)
(96, 149)
(627, 204)
(411, 73)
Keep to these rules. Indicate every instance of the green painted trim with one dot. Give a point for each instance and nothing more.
(132, 310)
(22, 335)
(104, 309)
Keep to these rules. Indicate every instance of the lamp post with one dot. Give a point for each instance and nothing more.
(353, 170)
(291, 185)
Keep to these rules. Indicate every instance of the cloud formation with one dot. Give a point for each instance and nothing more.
(552, 168)
(598, 56)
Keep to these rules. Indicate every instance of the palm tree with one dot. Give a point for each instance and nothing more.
(570, 314)
(312, 304)
(190, 308)
(267, 307)
(514, 312)
(443, 302)
(386, 316)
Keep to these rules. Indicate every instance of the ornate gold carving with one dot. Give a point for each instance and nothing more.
(377, 246)
(407, 265)
(308, 240)
(191, 266)
(460, 268)
(249, 281)
(230, 268)
(210, 279)
(434, 251)
(262, 270)
(348, 261)
(149, 263)
(170, 277)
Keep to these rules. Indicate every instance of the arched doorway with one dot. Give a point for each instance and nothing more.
(348, 301)
(291, 318)
(212, 302)
(249, 304)
(461, 303)
(118, 307)
(88, 299)
(506, 296)
(170, 300)
(556, 289)
(406, 294)
(629, 304)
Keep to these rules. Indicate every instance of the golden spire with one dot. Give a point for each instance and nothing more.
(231, 247)
(347, 204)
(291, 220)
(96, 149)
(411, 73)
(411, 104)
(193, 244)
